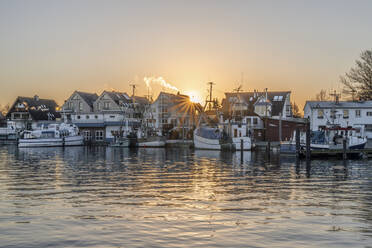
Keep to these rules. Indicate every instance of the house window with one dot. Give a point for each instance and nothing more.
(87, 135)
(255, 121)
(80, 106)
(70, 105)
(106, 105)
(346, 114)
(320, 113)
(288, 110)
(99, 135)
(357, 113)
(369, 113)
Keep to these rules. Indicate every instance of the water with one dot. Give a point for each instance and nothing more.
(106, 197)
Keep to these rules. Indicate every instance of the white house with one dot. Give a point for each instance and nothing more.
(170, 111)
(100, 117)
(356, 114)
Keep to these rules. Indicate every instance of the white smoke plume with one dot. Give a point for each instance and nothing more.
(160, 81)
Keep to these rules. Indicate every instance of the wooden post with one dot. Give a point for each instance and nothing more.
(298, 147)
(280, 128)
(344, 155)
(308, 151)
(241, 151)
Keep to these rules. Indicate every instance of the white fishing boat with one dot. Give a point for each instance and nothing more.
(210, 138)
(331, 138)
(9, 133)
(52, 135)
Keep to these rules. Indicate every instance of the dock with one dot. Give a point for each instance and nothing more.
(339, 153)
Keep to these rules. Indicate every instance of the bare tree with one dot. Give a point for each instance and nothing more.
(4, 109)
(322, 96)
(358, 81)
(295, 110)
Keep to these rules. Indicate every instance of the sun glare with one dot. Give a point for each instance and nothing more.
(194, 96)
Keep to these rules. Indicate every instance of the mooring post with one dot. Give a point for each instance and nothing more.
(298, 142)
(308, 151)
(344, 155)
(241, 151)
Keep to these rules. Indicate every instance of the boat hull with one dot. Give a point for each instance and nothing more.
(52, 142)
(211, 144)
(153, 142)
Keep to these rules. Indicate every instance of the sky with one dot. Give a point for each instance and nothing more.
(52, 48)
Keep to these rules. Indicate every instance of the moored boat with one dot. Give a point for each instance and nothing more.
(52, 135)
(212, 139)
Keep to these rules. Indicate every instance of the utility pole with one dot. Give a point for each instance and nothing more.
(210, 101)
(133, 91)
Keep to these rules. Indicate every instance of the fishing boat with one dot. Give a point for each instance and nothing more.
(52, 135)
(9, 133)
(212, 138)
(331, 138)
(147, 137)
(328, 138)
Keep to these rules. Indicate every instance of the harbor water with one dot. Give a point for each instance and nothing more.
(116, 197)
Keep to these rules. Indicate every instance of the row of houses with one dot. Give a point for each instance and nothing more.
(100, 117)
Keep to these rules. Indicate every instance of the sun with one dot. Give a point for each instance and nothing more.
(194, 96)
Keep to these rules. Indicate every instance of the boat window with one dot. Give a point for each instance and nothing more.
(87, 117)
(235, 133)
(357, 113)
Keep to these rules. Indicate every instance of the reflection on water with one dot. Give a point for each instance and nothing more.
(114, 197)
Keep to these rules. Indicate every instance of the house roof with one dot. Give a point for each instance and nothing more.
(118, 96)
(89, 98)
(141, 100)
(39, 109)
(276, 98)
(341, 104)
